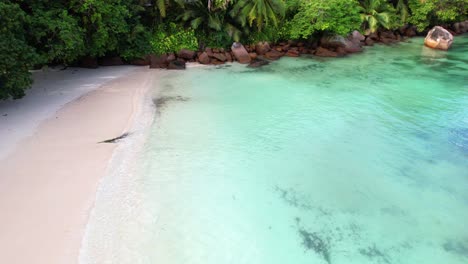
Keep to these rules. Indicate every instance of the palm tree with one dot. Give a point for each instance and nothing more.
(402, 10)
(206, 16)
(375, 14)
(261, 11)
(158, 6)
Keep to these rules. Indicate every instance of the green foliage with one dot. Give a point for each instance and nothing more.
(292, 7)
(172, 38)
(16, 56)
(402, 11)
(134, 43)
(36, 32)
(104, 22)
(334, 16)
(376, 14)
(270, 34)
(199, 15)
(430, 12)
(56, 33)
(262, 12)
(215, 39)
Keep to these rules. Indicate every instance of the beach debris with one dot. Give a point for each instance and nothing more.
(116, 139)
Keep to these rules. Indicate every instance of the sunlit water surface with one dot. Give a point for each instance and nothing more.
(362, 159)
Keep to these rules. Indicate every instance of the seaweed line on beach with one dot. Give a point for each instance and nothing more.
(116, 139)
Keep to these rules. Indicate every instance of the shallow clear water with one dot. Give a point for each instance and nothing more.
(361, 159)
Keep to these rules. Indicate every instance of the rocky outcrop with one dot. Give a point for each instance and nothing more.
(356, 37)
(438, 38)
(262, 47)
(408, 31)
(171, 57)
(88, 62)
(110, 61)
(461, 27)
(273, 54)
(294, 52)
(352, 47)
(333, 42)
(228, 56)
(255, 55)
(258, 63)
(323, 52)
(145, 61)
(220, 56)
(240, 53)
(369, 42)
(186, 54)
(176, 65)
(203, 58)
(158, 61)
(340, 45)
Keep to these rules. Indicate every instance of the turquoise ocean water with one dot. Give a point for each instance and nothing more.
(362, 159)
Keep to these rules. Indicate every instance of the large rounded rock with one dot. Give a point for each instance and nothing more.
(253, 55)
(176, 65)
(333, 42)
(258, 63)
(438, 38)
(220, 56)
(461, 27)
(274, 54)
(158, 61)
(293, 53)
(356, 37)
(203, 58)
(262, 47)
(410, 32)
(186, 54)
(89, 62)
(322, 52)
(110, 61)
(352, 47)
(240, 53)
(171, 57)
(228, 56)
(144, 61)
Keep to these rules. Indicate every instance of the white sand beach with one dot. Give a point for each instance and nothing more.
(50, 159)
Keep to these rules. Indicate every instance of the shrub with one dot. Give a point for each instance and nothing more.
(432, 12)
(172, 38)
(16, 56)
(334, 16)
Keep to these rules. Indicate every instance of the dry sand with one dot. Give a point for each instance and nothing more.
(48, 181)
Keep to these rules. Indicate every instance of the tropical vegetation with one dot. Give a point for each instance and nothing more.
(34, 33)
